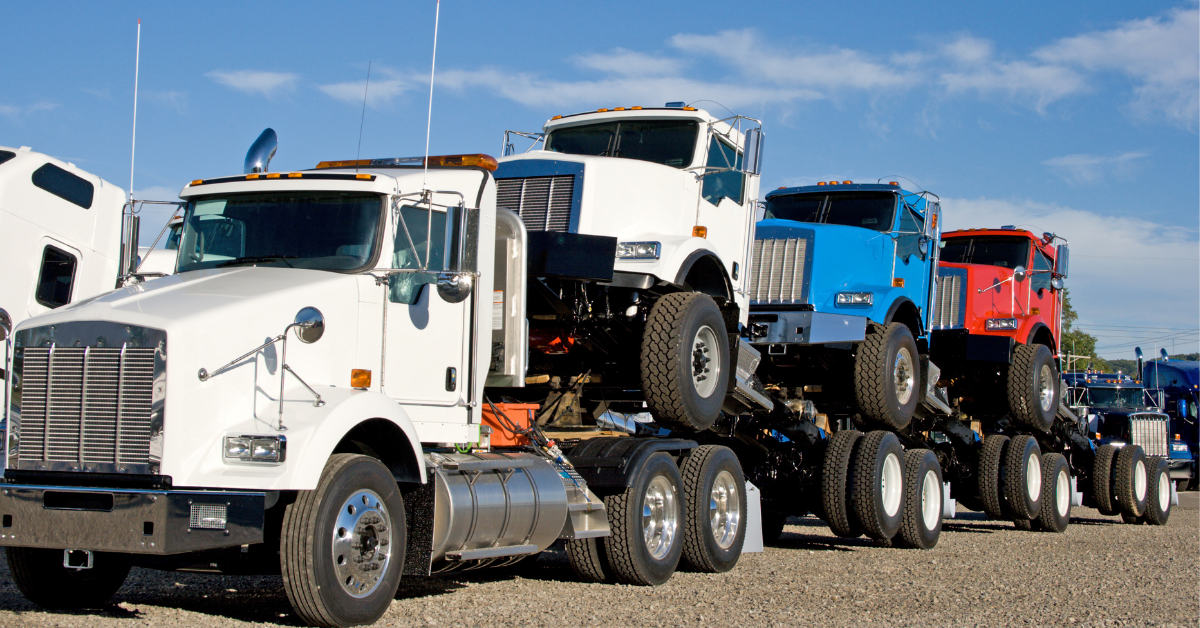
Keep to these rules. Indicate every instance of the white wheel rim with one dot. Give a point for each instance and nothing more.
(1062, 492)
(1033, 477)
(1164, 492)
(1139, 481)
(902, 371)
(1045, 387)
(724, 510)
(891, 484)
(362, 538)
(660, 517)
(931, 500)
(706, 363)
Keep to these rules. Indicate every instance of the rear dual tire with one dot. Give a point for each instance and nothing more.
(1158, 503)
(716, 499)
(921, 525)
(1010, 477)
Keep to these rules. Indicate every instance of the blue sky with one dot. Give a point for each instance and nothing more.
(1074, 117)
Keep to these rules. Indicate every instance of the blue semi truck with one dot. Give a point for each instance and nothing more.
(1174, 385)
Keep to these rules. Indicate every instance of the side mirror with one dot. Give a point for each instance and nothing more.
(454, 287)
(933, 215)
(5, 325)
(1182, 407)
(310, 325)
(923, 246)
(1062, 259)
(752, 152)
(1019, 274)
(1056, 283)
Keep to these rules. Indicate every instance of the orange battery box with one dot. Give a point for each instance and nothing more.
(521, 414)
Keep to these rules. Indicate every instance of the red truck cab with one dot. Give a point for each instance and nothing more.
(999, 297)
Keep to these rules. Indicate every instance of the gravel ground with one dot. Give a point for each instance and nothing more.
(983, 573)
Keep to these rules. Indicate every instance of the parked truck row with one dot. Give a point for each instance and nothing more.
(596, 342)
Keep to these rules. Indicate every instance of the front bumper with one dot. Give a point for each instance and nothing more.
(769, 327)
(1181, 468)
(128, 521)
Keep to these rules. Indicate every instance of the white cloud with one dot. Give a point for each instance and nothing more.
(255, 82)
(1079, 169)
(975, 68)
(1112, 261)
(380, 92)
(628, 63)
(1158, 54)
(17, 111)
(173, 99)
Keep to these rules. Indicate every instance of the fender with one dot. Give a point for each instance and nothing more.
(1034, 326)
(608, 463)
(696, 256)
(312, 435)
(891, 312)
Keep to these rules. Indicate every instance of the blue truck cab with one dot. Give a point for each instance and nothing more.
(841, 281)
(1119, 411)
(1175, 385)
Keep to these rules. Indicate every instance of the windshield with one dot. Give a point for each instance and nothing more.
(869, 210)
(667, 142)
(302, 229)
(1006, 252)
(1116, 397)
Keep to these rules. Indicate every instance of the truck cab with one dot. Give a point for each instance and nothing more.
(833, 265)
(1120, 411)
(1175, 385)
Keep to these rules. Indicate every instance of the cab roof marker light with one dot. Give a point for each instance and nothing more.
(556, 118)
(636, 107)
(847, 182)
(487, 162)
(197, 182)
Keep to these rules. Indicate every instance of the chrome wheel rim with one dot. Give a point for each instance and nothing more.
(1164, 492)
(1046, 388)
(891, 484)
(1139, 480)
(706, 367)
(903, 374)
(1033, 477)
(362, 539)
(1062, 492)
(931, 500)
(660, 517)
(724, 510)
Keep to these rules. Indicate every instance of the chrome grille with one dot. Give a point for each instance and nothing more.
(948, 310)
(1150, 432)
(779, 271)
(543, 203)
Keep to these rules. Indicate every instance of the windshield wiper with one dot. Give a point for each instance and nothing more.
(251, 259)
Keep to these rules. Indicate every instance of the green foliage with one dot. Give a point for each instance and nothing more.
(1078, 342)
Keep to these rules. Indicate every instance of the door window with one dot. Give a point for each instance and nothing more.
(413, 248)
(56, 279)
(723, 184)
(1040, 280)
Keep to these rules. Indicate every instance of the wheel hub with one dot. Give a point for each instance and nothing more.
(1139, 480)
(891, 484)
(1046, 381)
(660, 517)
(902, 370)
(1164, 492)
(1062, 493)
(706, 372)
(931, 500)
(724, 510)
(1033, 477)
(362, 538)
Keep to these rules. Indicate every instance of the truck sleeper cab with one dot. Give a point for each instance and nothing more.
(315, 375)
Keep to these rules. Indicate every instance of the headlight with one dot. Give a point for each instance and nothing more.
(638, 250)
(855, 298)
(1179, 447)
(995, 324)
(269, 449)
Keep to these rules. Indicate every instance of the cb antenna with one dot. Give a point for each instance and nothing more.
(433, 65)
(133, 148)
(364, 116)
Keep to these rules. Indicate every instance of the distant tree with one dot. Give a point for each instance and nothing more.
(1078, 342)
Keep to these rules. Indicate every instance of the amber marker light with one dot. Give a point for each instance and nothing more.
(360, 378)
(699, 232)
(198, 182)
(898, 282)
(847, 182)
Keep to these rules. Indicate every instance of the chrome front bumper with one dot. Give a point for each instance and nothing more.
(128, 521)
(1181, 468)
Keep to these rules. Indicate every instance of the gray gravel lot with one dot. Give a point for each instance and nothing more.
(983, 573)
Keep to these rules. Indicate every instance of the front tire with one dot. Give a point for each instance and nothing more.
(921, 525)
(1033, 387)
(1131, 481)
(42, 579)
(685, 361)
(877, 484)
(716, 498)
(647, 522)
(887, 376)
(1055, 514)
(342, 546)
(1023, 477)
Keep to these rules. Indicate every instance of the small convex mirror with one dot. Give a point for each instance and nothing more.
(1056, 283)
(310, 325)
(454, 287)
(1019, 273)
(5, 325)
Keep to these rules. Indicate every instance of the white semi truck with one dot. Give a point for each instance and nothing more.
(166, 424)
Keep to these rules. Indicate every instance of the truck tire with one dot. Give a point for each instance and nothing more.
(835, 483)
(647, 522)
(1022, 481)
(685, 361)
(887, 376)
(1055, 514)
(341, 549)
(921, 525)
(716, 516)
(772, 526)
(587, 560)
(990, 459)
(42, 579)
(1131, 481)
(877, 484)
(1102, 480)
(1158, 504)
(1033, 387)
